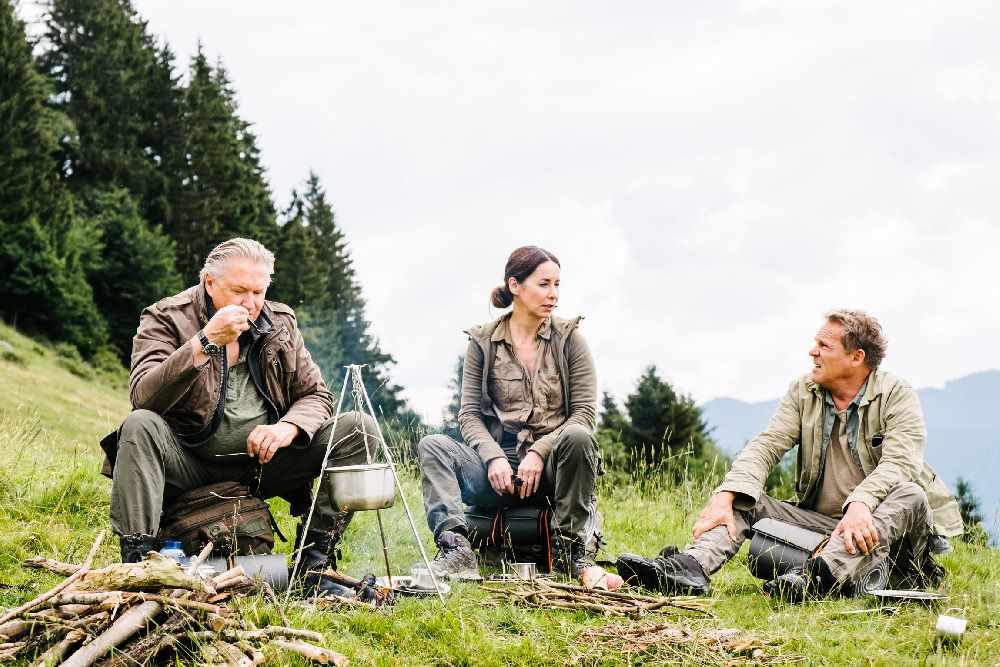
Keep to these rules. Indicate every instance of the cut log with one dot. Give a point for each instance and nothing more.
(129, 623)
(152, 574)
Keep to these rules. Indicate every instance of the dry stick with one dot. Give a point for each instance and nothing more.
(37, 602)
(268, 633)
(131, 622)
(274, 600)
(314, 653)
(58, 651)
(40, 563)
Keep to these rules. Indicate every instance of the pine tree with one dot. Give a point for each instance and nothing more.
(299, 276)
(121, 291)
(27, 171)
(612, 419)
(222, 192)
(40, 290)
(100, 58)
(661, 422)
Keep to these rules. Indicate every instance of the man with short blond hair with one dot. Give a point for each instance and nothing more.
(861, 480)
(224, 389)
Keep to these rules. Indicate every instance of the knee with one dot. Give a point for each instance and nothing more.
(140, 427)
(430, 446)
(356, 421)
(576, 441)
(911, 497)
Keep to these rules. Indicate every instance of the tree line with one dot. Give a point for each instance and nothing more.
(118, 174)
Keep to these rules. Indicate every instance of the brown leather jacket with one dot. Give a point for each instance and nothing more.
(164, 379)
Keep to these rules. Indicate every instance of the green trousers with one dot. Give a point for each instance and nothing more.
(153, 467)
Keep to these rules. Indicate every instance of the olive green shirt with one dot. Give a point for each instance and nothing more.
(841, 474)
(244, 411)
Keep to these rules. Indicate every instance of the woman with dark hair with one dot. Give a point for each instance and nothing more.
(529, 398)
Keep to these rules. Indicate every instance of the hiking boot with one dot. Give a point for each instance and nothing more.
(135, 547)
(673, 574)
(455, 558)
(570, 556)
(814, 580)
(319, 553)
(792, 586)
(938, 545)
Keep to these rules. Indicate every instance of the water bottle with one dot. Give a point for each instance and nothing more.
(172, 549)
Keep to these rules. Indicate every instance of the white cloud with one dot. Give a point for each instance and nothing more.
(713, 176)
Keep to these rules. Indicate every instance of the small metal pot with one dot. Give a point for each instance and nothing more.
(526, 571)
(362, 487)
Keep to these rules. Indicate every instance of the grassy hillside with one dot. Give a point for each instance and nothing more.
(52, 502)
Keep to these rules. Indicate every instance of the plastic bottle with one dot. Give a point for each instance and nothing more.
(172, 549)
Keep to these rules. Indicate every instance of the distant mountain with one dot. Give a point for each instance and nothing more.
(963, 432)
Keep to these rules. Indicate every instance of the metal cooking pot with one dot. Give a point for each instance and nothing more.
(361, 487)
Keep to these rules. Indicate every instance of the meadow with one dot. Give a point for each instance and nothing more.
(53, 502)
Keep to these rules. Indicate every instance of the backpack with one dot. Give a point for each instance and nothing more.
(226, 514)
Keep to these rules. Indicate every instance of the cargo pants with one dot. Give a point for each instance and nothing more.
(902, 519)
(452, 474)
(153, 467)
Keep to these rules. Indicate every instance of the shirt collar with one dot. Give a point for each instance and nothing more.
(502, 332)
(856, 401)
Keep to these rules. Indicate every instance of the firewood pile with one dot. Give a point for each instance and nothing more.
(678, 644)
(542, 593)
(143, 613)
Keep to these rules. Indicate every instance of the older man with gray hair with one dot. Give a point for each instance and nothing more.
(862, 482)
(223, 389)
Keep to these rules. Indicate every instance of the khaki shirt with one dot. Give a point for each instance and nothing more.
(889, 439)
(528, 406)
(482, 428)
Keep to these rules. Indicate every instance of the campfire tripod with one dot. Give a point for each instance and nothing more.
(353, 373)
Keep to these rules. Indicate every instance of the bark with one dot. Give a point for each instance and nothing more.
(58, 651)
(154, 573)
(129, 623)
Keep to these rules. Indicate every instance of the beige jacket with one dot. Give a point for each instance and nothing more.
(481, 428)
(886, 437)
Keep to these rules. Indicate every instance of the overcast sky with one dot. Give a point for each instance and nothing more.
(713, 176)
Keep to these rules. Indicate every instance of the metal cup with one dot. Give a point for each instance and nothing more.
(526, 571)
(420, 577)
(950, 628)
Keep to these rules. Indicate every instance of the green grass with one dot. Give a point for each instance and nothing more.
(53, 502)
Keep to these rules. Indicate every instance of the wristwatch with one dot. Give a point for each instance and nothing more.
(207, 346)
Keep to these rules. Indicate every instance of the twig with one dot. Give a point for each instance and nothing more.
(314, 653)
(37, 602)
